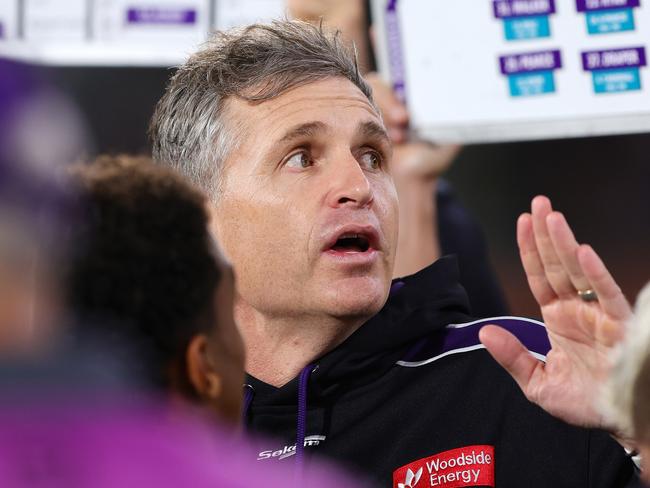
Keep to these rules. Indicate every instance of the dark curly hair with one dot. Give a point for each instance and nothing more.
(144, 273)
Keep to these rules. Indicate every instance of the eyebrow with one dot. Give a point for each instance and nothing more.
(373, 130)
(307, 129)
(368, 129)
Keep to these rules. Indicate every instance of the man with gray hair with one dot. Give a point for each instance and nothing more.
(275, 123)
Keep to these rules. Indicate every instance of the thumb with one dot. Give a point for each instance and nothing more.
(511, 354)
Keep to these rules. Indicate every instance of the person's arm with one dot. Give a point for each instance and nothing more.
(418, 244)
(415, 166)
(347, 16)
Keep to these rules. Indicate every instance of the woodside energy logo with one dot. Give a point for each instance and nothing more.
(464, 466)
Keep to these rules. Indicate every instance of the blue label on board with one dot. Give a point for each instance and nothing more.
(606, 21)
(524, 19)
(615, 70)
(531, 73)
(530, 84)
(616, 80)
(534, 27)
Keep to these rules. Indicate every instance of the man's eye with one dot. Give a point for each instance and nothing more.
(370, 160)
(299, 161)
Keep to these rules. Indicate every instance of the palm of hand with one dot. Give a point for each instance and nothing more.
(577, 364)
(582, 334)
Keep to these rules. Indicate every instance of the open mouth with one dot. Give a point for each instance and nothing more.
(351, 243)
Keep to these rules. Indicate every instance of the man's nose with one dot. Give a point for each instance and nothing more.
(350, 185)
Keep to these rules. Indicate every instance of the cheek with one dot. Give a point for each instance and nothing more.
(387, 207)
(264, 241)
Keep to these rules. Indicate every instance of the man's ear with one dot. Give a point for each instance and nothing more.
(215, 232)
(201, 374)
(213, 224)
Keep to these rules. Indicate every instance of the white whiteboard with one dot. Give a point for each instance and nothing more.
(159, 33)
(235, 13)
(448, 55)
(46, 20)
(162, 22)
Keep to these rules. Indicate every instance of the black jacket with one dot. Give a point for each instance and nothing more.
(409, 401)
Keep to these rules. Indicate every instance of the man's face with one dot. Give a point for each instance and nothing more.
(308, 213)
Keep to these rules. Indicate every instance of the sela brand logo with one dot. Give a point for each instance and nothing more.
(465, 466)
(287, 451)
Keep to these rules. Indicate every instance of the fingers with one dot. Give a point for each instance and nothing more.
(566, 248)
(532, 262)
(556, 274)
(506, 349)
(394, 113)
(557, 266)
(422, 160)
(447, 153)
(610, 296)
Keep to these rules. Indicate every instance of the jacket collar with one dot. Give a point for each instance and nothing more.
(418, 306)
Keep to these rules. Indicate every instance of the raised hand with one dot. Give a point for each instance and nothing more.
(581, 331)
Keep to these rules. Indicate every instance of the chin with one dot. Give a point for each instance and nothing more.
(358, 297)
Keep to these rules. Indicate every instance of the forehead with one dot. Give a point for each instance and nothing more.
(332, 101)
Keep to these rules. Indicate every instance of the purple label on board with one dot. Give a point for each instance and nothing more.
(393, 39)
(613, 58)
(589, 5)
(522, 8)
(527, 62)
(161, 16)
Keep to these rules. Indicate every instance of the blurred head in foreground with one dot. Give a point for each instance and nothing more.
(31, 221)
(144, 275)
(40, 130)
(148, 276)
(627, 397)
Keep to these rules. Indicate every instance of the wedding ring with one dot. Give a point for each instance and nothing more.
(588, 295)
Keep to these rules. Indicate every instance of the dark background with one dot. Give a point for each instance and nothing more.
(601, 184)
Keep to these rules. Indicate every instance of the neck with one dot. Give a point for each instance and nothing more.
(278, 348)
